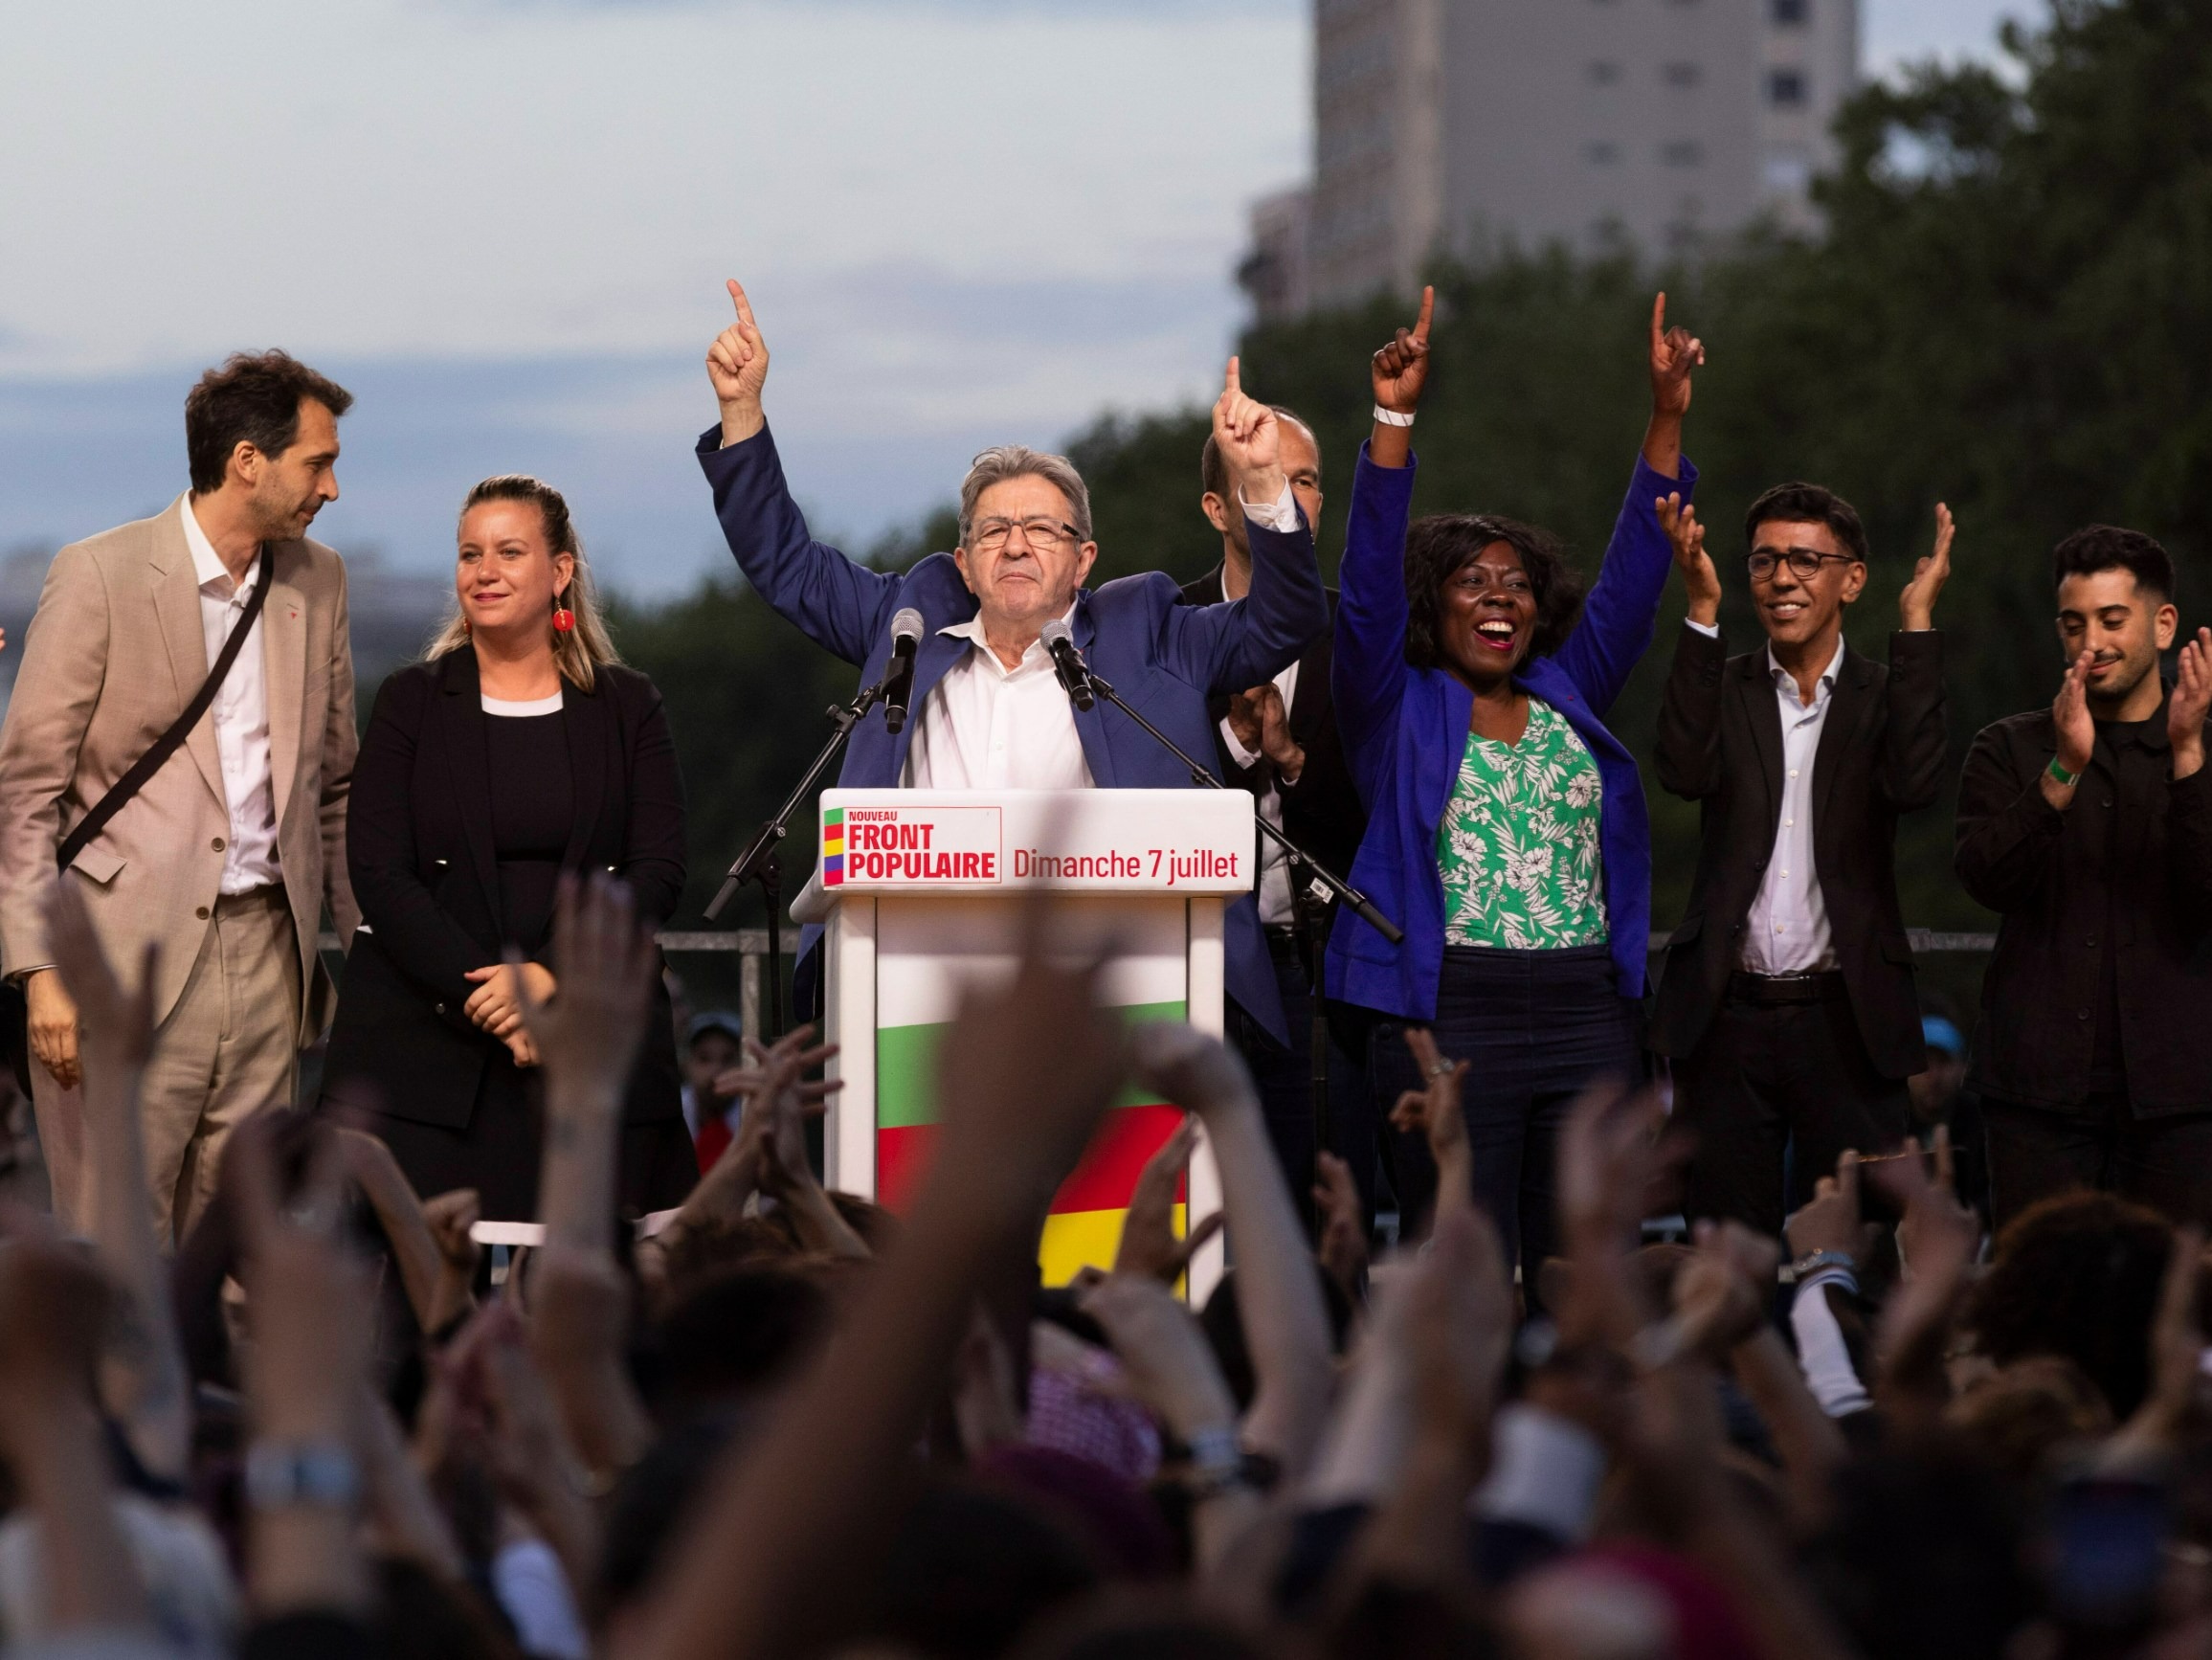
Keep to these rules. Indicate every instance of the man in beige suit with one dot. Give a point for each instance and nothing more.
(224, 860)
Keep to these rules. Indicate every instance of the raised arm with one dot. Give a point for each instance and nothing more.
(1368, 672)
(1688, 754)
(837, 603)
(1616, 622)
(1916, 745)
(1246, 643)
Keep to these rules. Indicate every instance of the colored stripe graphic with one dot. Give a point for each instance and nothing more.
(1085, 1221)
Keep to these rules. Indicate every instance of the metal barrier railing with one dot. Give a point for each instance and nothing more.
(751, 944)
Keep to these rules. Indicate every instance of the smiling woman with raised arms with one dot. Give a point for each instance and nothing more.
(518, 750)
(1507, 832)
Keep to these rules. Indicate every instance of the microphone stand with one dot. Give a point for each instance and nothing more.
(1312, 884)
(758, 861)
(1294, 855)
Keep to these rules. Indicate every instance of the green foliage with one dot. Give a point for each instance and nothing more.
(2011, 311)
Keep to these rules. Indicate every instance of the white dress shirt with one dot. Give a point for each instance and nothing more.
(1278, 904)
(987, 727)
(1787, 929)
(240, 713)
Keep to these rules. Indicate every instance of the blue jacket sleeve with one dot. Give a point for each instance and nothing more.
(837, 603)
(1248, 641)
(1618, 619)
(1369, 672)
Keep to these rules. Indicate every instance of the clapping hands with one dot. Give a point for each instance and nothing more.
(1916, 605)
(1700, 581)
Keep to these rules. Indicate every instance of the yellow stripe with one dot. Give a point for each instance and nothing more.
(1079, 1238)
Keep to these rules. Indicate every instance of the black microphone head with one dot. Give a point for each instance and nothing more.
(907, 625)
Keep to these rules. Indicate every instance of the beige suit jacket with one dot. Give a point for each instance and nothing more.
(111, 658)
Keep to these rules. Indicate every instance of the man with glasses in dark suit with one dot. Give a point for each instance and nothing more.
(1788, 1004)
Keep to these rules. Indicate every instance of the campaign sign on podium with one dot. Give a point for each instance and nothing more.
(919, 891)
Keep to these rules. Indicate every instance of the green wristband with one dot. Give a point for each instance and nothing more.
(2065, 777)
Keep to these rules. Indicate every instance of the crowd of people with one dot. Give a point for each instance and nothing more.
(1714, 1328)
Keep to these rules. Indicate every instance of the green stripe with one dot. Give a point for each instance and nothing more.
(906, 1067)
(834, 816)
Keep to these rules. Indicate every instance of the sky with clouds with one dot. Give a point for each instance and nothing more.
(505, 224)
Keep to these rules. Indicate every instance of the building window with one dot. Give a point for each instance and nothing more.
(1682, 75)
(1603, 73)
(1786, 88)
(1601, 155)
(1792, 14)
(1682, 154)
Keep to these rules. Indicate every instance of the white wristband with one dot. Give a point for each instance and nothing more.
(1390, 417)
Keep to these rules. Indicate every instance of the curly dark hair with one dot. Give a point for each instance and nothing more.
(1438, 547)
(2096, 547)
(2077, 1275)
(255, 399)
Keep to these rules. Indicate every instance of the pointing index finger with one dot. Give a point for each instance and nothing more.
(743, 306)
(1428, 306)
(1233, 383)
(1658, 319)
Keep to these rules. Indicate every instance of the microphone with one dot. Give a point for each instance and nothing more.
(899, 678)
(1067, 663)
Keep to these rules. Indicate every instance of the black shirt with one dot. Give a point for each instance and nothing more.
(2102, 979)
(533, 801)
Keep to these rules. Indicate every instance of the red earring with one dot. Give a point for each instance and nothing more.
(563, 619)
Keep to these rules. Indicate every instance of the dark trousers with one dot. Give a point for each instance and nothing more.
(1285, 1079)
(1539, 1027)
(2034, 1152)
(1774, 1082)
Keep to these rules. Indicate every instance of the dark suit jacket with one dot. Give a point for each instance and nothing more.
(1320, 812)
(1880, 753)
(1162, 656)
(419, 843)
(2127, 869)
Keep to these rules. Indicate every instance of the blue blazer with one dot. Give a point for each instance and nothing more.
(1406, 729)
(1163, 656)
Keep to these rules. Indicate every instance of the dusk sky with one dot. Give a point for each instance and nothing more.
(505, 224)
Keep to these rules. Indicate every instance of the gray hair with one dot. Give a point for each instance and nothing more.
(1003, 462)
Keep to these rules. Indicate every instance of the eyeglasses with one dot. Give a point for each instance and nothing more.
(992, 534)
(1804, 564)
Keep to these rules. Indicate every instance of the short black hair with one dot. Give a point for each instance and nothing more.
(1438, 546)
(1809, 505)
(253, 398)
(2096, 548)
(1214, 471)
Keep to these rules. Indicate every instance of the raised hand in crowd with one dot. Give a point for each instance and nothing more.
(2189, 702)
(1438, 1111)
(1025, 1073)
(1936, 1240)
(587, 1041)
(737, 364)
(2177, 1379)
(54, 1308)
(1700, 581)
(1916, 605)
(452, 1219)
(1342, 1246)
(1149, 1248)
(1398, 374)
(144, 1378)
(1249, 435)
(414, 1247)
(1278, 1299)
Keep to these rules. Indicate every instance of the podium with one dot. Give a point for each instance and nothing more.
(919, 893)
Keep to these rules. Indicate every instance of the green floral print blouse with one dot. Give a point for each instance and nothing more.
(1518, 846)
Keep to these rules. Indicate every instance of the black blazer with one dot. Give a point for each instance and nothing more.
(2046, 873)
(418, 834)
(1320, 812)
(1880, 753)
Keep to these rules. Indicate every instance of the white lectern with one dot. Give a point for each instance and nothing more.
(918, 891)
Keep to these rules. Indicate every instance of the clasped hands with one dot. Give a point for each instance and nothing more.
(497, 1003)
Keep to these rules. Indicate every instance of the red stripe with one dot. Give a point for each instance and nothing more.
(1108, 1175)
(1103, 1180)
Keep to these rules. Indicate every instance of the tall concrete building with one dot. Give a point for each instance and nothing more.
(1461, 125)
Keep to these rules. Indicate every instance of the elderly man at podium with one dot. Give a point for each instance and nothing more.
(990, 712)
